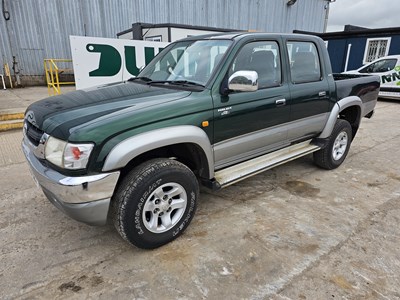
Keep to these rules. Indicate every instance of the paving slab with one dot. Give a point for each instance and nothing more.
(10, 148)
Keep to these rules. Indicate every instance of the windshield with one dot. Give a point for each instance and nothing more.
(192, 61)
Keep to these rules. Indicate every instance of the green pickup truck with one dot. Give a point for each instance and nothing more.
(209, 110)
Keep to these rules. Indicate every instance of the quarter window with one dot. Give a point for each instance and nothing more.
(304, 62)
(262, 57)
(376, 48)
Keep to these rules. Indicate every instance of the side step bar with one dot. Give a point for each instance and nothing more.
(231, 175)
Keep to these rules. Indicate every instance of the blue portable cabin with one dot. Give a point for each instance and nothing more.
(356, 46)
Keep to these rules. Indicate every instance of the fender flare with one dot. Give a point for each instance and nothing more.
(128, 149)
(337, 108)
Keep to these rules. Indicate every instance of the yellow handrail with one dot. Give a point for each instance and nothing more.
(52, 72)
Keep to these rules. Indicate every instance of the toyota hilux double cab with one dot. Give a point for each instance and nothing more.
(208, 110)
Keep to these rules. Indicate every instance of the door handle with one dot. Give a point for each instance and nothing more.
(280, 102)
(322, 94)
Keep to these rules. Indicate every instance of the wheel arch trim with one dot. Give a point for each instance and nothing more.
(337, 108)
(122, 153)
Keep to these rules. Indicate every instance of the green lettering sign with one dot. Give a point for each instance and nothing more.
(130, 60)
(396, 76)
(386, 78)
(110, 60)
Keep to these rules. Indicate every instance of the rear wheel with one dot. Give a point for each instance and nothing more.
(333, 155)
(155, 203)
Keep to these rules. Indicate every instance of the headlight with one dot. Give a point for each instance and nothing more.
(67, 155)
(54, 151)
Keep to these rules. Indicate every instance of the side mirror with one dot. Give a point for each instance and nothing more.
(243, 81)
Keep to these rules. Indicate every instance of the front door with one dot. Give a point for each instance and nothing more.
(248, 124)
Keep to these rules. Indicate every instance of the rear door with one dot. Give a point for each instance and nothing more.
(309, 89)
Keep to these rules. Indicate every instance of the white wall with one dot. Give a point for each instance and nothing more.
(150, 32)
(126, 36)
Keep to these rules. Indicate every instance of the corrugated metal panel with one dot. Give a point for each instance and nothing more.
(5, 47)
(40, 28)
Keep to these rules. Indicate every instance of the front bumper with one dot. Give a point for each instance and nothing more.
(85, 199)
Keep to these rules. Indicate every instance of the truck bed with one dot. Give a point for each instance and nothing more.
(365, 87)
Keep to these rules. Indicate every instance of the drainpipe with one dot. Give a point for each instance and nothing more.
(326, 16)
(327, 7)
(347, 57)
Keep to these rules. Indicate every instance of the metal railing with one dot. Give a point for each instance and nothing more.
(53, 72)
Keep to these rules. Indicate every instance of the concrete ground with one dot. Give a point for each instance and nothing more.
(13, 103)
(294, 232)
(17, 100)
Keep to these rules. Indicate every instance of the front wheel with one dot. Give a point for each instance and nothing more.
(333, 155)
(155, 203)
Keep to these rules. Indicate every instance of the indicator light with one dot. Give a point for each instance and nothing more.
(205, 124)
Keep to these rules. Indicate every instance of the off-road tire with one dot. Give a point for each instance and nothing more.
(139, 191)
(325, 158)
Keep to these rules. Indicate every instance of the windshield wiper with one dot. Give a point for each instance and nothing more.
(187, 82)
(177, 82)
(143, 78)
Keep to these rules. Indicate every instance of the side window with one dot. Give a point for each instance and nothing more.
(262, 57)
(380, 66)
(304, 62)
